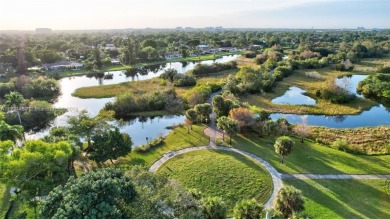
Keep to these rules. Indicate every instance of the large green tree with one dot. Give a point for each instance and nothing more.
(9, 132)
(203, 110)
(101, 194)
(289, 201)
(109, 145)
(283, 146)
(229, 126)
(85, 126)
(36, 168)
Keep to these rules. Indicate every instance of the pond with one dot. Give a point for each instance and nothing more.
(376, 116)
(294, 96)
(350, 83)
(137, 128)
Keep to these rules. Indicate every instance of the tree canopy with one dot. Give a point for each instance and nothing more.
(101, 194)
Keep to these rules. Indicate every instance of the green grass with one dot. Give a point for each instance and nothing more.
(228, 175)
(344, 198)
(176, 140)
(312, 157)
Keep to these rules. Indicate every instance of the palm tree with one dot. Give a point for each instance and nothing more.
(14, 99)
(10, 132)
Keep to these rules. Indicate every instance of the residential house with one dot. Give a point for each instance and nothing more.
(63, 65)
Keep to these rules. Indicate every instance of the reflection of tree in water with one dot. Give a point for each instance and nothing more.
(142, 120)
(184, 64)
(338, 119)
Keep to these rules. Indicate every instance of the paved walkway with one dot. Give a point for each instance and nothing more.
(276, 177)
(334, 176)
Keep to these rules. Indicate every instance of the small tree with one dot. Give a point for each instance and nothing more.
(302, 129)
(289, 201)
(248, 209)
(229, 126)
(214, 208)
(243, 116)
(283, 146)
(191, 116)
(14, 99)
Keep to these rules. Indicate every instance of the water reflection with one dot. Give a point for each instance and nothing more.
(350, 83)
(376, 116)
(93, 105)
(294, 96)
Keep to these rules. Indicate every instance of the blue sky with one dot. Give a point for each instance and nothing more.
(99, 14)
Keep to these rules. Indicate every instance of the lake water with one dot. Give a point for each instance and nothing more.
(376, 116)
(350, 83)
(137, 128)
(294, 96)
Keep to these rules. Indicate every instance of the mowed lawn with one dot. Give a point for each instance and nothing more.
(177, 139)
(220, 173)
(344, 198)
(312, 157)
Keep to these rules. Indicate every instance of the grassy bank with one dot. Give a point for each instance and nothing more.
(323, 107)
(228, 175)
(153, 84)
(312, 157)
(372, 140)
(145, 64)
(176, 139)
(344, 198)
(113, 90)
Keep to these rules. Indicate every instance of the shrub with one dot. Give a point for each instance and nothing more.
(182, 80)
(202, 69)
(152, 144)
(341, 144)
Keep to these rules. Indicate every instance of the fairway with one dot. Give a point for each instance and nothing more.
(220, 173)
(344, 198)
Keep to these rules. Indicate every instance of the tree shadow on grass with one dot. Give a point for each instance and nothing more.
(344, 198)
(309, 157)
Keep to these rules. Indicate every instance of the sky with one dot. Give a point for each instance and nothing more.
(119, 14)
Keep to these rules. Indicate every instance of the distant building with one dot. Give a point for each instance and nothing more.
(63, 65)
(173, 55)
(115, 62)
(43, 30)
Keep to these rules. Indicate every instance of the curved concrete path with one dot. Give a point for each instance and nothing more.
(275, 175)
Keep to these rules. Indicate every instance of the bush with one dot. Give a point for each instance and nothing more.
(152, 144)
(250, 55)
(341, 144)
(129, 103)
(182, 80)
(202, 69)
